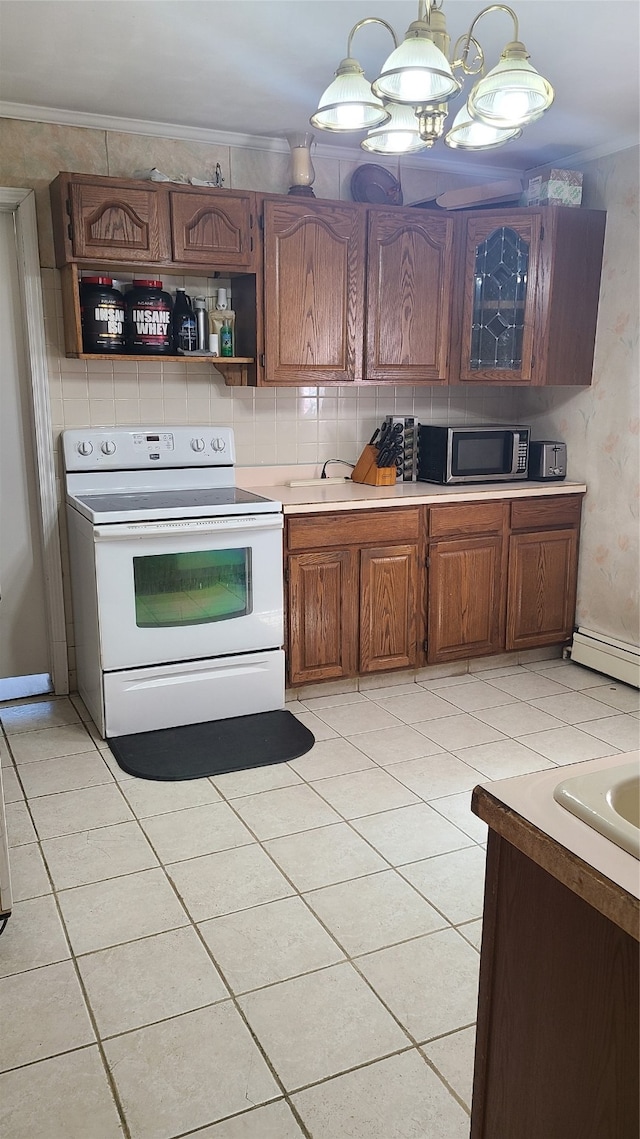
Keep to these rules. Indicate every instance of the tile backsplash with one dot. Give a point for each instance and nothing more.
(279, 425)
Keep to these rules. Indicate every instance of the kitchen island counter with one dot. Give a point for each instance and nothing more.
(557, 1036)
(524, 811)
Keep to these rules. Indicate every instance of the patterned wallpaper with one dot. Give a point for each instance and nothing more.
(601, 424)
(309, 425)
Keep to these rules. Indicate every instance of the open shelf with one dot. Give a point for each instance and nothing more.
(217, 361)
(235, 369)
(238, 371)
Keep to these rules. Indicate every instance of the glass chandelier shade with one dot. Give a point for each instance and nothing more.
(398, 136)
(469, 134)
(512, 94)
(349, 104)
(416, 72)
(405, 108)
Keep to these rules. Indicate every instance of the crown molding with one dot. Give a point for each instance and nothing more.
(454, 163)
(55, 116)
(614, 146)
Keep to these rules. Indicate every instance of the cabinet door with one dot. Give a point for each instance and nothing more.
(465, 598)
(322, 615)
(211, 229)
(388, 607)
(541, 596)
(313, 293)
(501, 258)
(115, 223)
(409, 285)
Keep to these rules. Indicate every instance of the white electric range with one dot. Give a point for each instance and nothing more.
(176, 579)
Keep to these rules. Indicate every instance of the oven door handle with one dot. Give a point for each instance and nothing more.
(122, 531)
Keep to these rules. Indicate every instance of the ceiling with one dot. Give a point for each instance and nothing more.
(258, 67)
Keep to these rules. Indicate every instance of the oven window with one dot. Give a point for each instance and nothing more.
(192, 588)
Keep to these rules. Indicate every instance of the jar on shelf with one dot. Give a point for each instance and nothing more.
(102, 313)
(148, 309)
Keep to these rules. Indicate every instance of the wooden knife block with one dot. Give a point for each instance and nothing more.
(366, 470)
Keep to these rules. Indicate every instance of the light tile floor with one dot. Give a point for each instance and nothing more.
(285, 952)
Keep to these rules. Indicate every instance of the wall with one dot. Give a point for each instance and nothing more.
(601, 424)
(309, 425)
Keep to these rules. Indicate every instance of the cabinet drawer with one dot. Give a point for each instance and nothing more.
(467, 518)
(353, 528)
(539, 513)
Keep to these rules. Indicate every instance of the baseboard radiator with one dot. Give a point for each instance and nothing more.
(607, 655)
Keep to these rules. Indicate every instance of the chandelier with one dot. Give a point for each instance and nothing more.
(405, 108)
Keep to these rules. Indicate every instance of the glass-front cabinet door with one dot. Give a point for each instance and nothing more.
(501, 259)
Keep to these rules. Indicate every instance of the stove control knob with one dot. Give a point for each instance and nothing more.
(218, 444)
(85, 448)
(197, 444)
(108, 447)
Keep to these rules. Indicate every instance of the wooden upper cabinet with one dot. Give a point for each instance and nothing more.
(212, 228)
(115, 222)
(501, 263)
(98, 219)
(409, 289)
(313, 289)
(528, 284)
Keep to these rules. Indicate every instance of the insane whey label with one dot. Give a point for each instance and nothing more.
(150, 324)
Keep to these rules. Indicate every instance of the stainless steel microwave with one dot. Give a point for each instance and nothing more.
(472, 454)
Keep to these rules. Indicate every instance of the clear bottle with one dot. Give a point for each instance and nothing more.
(183, 323)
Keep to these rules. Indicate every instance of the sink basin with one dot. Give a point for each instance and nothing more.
(608, 801)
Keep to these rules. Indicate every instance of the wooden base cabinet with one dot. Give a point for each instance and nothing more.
(322, 608)
(388, 603)
(352, 607)
(363, 597)
(557, 1037)
(543, 571)
(502, 576)
(466, 581)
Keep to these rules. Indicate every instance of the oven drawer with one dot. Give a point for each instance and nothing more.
(167, 696)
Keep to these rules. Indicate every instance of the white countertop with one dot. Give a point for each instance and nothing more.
(361, 496)
(531, 797)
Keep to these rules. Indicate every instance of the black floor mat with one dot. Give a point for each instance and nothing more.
(196, 750)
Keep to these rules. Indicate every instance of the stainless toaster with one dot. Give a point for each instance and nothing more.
(547, 460)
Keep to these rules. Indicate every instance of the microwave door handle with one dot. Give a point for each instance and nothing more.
(514, 453)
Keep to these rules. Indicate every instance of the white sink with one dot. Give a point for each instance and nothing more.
(608, 801)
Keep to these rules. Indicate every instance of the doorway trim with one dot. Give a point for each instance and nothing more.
(21, 203)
